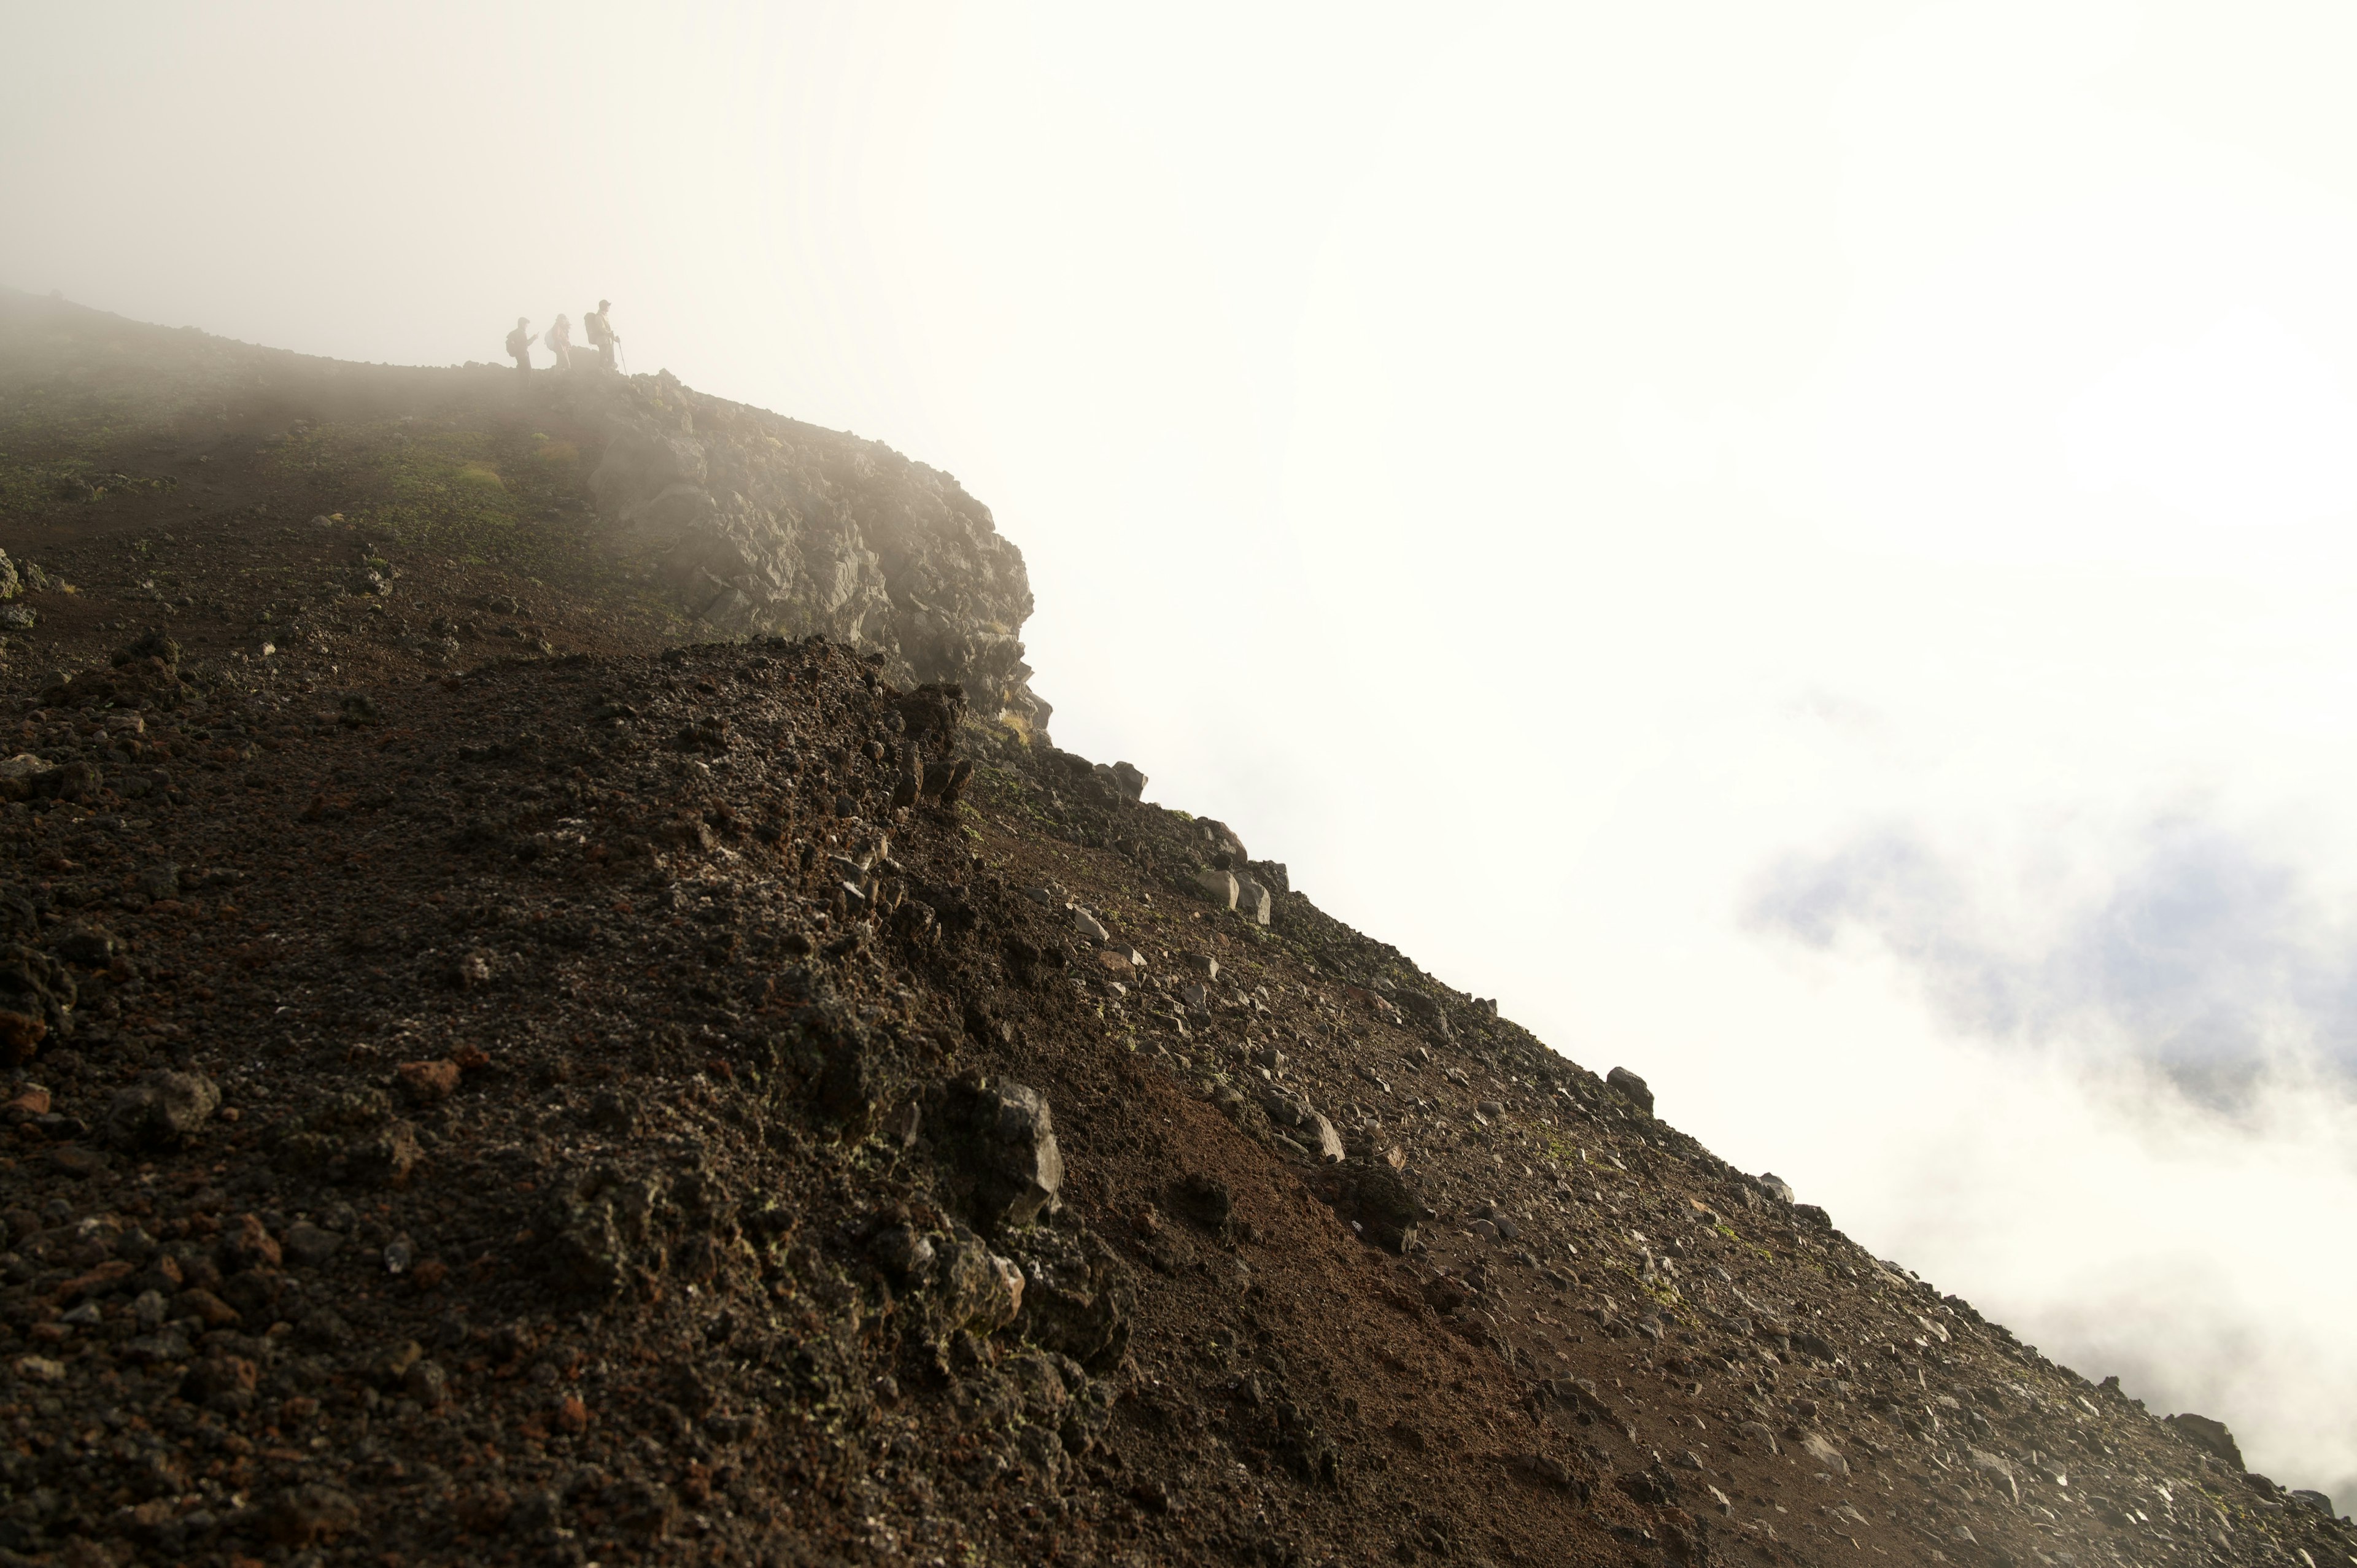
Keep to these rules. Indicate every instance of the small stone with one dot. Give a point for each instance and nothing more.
(426, 1383)
(383, 1158)
(391, 1365)
(1996, 1468)
(149, 1310)
(1815, 1445)
(161, 1111)
(1219, 886)
(91, 946)
(427, 1082)
(1758, 1432)
(250, 1246)
(307, 1246)
(1552, 1472)
(206, 1308)
(74, 1160)
(1089, 926)
(303, 1515)
(40, 1369)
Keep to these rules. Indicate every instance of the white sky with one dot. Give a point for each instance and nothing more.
(1804, 548)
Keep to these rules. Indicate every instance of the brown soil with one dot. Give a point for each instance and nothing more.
(588, 1180)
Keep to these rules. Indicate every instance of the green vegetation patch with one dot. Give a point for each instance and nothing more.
(504, 498)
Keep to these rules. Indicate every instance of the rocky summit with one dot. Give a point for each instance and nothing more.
(560, 1004)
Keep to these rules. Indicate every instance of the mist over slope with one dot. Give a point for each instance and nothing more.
(500, 1071)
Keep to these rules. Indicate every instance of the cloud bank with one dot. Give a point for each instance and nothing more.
(2202, 956)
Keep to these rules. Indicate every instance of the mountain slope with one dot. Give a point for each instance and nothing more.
(498, 1075)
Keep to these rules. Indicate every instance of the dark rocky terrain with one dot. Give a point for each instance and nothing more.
(499, 1071)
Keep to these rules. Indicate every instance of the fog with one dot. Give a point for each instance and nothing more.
(1807, 551)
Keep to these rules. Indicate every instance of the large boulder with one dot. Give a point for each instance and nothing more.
(1631, 1088)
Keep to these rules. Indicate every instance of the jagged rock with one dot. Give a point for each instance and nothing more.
(1776, 1186)
(935, 709)
(1631, 1088)
(1219, 886)
(1996, 1468)
(1293, 1113)
(1078, 1298)
(979, 1291)
(1226, 851)
(23, 776)
(1378, 1202)
(1426, 1011)
(1253, 901)
(766, 525)
(143, 674)
(946, 782)
(161, 1111)
(1815, 1445)
(999, 1138)
(2210, 1436)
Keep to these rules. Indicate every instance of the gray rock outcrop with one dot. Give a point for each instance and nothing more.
(1000, 1138)
(768, 526)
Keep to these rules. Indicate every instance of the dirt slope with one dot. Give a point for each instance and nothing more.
(486, 1084)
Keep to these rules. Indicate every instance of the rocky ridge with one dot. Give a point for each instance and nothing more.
(770, 526)
(487, 1081)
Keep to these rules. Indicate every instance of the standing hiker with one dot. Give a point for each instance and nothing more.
(601, 335)
(558, 340)
(519, 344)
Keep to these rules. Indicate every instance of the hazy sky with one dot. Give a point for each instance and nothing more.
(1806, 549)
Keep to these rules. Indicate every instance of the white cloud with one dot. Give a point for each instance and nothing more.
(2244, 426)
